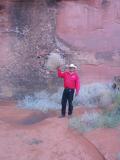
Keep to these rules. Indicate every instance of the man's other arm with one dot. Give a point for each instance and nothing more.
(77, 87)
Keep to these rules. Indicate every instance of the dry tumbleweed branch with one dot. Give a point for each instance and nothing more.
(54, 60)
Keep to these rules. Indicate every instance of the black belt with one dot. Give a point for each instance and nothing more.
(70, 88)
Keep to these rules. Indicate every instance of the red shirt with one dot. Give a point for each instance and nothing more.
(71, 80)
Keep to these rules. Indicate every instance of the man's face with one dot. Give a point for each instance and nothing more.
(71, 69)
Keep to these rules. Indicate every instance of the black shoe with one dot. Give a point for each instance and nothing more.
(69, 115)
(61, 116)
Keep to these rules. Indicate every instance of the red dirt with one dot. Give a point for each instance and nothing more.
(49, 138)
(107, 141)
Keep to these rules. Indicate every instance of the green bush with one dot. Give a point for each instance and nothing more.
(118, 156)
(112, 118)
(117, 98)
(92, 120)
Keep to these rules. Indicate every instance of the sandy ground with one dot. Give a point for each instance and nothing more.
(33, 135)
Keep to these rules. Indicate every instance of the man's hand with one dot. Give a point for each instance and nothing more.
(58, 67)
(76, 94)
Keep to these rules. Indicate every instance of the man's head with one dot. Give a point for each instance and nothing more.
(72, 67)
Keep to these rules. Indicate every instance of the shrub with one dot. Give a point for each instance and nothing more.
(94, 95)
(118, 156)
(111, 118)
(86, 122)
(43, 101)
(92, 120)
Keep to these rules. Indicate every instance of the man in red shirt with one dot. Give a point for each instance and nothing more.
(71, 85)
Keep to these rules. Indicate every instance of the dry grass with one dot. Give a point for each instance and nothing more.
(92, 120)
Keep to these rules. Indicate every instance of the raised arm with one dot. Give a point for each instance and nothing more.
(60, 73)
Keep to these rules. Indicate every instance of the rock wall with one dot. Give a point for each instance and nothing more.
(87, 33)
(26, 38)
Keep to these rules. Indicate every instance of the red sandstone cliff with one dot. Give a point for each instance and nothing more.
(87, 33)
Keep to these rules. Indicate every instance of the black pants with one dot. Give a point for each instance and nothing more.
(67, 96)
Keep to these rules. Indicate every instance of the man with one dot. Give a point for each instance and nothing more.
(71, 85)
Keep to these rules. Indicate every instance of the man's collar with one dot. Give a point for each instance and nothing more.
(71, 72)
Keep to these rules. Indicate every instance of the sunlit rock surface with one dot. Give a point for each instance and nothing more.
(91, 29)
(87, 33)
(90, 26)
